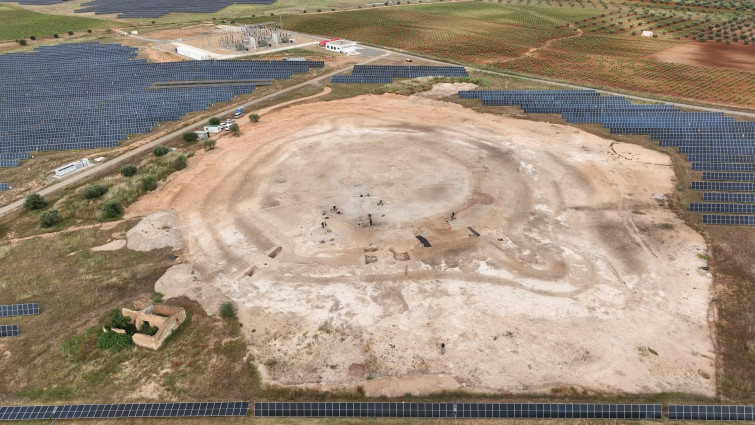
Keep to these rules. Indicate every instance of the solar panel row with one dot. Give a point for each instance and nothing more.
(127, 410)
(149, 8)
(728, 197)
(19, 309)
(8, 330)
(711, 413)
(460, 410)
(723, 149)
(4, 186)
(92, 95)
(384, 74)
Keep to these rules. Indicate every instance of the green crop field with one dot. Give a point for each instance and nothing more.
(590, 42)
(21, 23)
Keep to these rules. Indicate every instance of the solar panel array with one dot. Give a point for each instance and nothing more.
(722, 148)
(459, 410)
(4, 186)
(127, 410)
(384, 74)
(148, 8)
(8, 330)
(711, 413)
(92, 95)
(19, 309)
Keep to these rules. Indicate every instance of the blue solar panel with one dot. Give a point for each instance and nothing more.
(4, 186)
(127, 410)
(459, 410)
(19, 309)
(8, 331)
(728, 197)
(711, 413)
(92, 95)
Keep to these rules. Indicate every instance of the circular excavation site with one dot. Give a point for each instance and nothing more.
(405, 244)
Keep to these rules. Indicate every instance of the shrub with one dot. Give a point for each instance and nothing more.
(22, 42)
(234, 129)
(128, 170)
(35, 201)
(54, 36)
(149, 184)
(161, 150)
(70, 32)
(147, 329)
(227, 310)
(209, 144)
(214, 121)
(89, 31)
(180, 162)
(49, 218)
(190, 137)
(94, 191)
(254, 117)
(114, 341)
(33, 37)
(112, 209)
(117, 319)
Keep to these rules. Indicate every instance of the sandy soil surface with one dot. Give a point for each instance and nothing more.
(710, 54)
(578, 276)
(155, 231)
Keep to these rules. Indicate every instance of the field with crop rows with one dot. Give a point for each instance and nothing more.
(590, 41)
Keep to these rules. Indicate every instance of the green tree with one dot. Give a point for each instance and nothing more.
(235, 129)
(254, 117)
(112, 209)
(161, 150)
(94, 191)
(22, 42)
(190, 137)
(128, 170)
(209, 144)
(149, 183)
(33, 37)
(55, 36)
(49, 218)
(70, 32)
(35, 201)
(180, 162)
(214, 121)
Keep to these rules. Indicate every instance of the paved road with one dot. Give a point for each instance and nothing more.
(88, 172)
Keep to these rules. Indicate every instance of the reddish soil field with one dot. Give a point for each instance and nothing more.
(735, 56)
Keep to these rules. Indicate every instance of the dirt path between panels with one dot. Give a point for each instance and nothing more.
(559, 268)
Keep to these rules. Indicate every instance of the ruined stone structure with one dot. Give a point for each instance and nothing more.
(164, 317)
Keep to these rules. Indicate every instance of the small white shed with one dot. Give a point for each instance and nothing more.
(647, 33)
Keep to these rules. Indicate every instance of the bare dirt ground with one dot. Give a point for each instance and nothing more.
(578, 278)
(735, 56)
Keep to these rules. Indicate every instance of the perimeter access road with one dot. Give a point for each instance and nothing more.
(574, 86)
(90, 172)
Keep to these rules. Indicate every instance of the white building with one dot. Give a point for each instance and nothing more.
(70, 168)
(647, 33)
(191, 52)
(342, 46)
